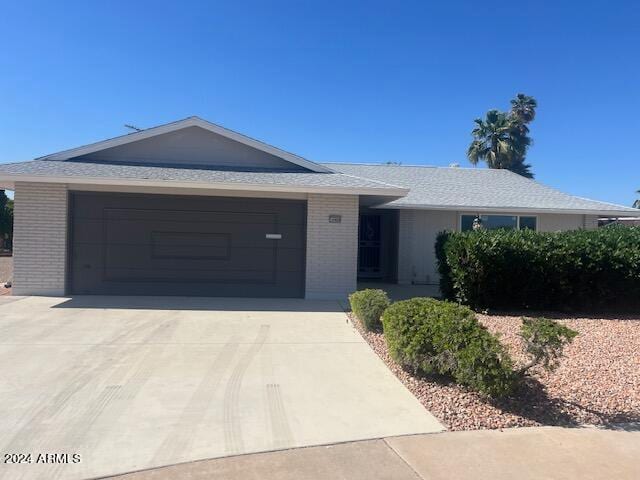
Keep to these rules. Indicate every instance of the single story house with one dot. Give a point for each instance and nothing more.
(626, 221)
(191, 208)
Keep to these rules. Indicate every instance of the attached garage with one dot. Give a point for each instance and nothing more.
(134, 244)
(186, 208)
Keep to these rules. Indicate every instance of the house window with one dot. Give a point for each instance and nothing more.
(530, 223)
(493, 222)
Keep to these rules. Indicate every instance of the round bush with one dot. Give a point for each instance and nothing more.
(368, 305)
(429, 337)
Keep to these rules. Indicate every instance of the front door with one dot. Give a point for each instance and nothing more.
(369, 251)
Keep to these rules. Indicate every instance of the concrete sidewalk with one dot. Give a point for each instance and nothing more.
(525, 453)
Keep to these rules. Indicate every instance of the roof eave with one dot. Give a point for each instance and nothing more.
(8, 182)
(488, 209)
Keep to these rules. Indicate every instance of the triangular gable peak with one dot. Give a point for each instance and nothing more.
(190, 142)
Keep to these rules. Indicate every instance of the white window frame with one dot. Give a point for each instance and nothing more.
(517, 215)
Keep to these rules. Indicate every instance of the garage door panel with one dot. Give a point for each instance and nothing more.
(86, 207)
(162, 275)
(288, 281)
(188, 234)
(290, 260)
(94, 231)
(92, 281)
(87, 231)
(190, 245)
(136, 257)
(292, 236)
(200, 218)
(129, 244)
(88, 257)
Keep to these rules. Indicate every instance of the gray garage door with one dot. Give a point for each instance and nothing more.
(124, 244)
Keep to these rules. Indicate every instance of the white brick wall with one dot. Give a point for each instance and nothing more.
(39, 239)
(332, 248)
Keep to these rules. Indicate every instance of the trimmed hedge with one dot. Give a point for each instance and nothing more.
(574, 270)
(368, 305)
(429, 336)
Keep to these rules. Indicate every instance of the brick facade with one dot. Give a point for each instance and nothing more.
(332, 248)
(39, 239)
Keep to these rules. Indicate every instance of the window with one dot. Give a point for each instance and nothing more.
(493, 222)
(528, 222)
(466, 222)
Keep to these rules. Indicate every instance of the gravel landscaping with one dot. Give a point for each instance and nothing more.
(598, 381)
(6, 273)
(6, 269)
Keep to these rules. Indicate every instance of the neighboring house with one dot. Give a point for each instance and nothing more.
(627, 222)
(191, 208)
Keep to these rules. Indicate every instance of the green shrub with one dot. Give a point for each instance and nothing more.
(368, 305)
(446, 282)
(544, 341)
(575, 270)
(429, 336)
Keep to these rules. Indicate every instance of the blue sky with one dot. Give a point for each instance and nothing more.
(357, 82)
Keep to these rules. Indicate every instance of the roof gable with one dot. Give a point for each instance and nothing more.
(189, 141)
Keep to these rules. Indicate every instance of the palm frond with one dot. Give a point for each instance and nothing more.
(521, 168)
(523, 108)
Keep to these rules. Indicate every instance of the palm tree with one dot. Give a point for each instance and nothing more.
(500, 142)
(502, 139)
(636, 204)
(523, 108)
(521, 168)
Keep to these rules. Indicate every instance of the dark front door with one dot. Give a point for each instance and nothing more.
(125, 244)
(369, 251)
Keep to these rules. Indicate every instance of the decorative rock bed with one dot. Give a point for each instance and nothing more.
(598, 381)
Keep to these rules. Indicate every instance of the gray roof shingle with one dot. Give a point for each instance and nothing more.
(80, 170)
(469, 188)
(429, 187)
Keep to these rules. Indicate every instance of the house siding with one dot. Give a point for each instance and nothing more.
(418, 230)
(332, 248)
(591, 222)
(551, 222)
(40, 239)
(191, 146)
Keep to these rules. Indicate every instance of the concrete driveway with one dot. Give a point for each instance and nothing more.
(132, 383)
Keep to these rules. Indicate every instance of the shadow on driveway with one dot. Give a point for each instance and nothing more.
(200, 303)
